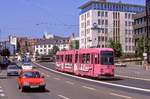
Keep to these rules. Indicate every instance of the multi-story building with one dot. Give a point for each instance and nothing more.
(44, 46)
(148, 16)
(101, 21)
(139, 26)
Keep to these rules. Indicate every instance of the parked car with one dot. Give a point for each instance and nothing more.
(120, 64)
(13, 69)
(31, 79)
(27, 66)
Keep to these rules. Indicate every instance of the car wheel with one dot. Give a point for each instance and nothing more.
(8, 74)
(42, 88)
(18, 86)
(22, 89)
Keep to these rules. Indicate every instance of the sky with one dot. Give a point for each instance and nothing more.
(32, 18)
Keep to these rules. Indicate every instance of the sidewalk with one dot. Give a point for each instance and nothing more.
(137, 71)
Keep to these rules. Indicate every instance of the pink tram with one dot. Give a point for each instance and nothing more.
(93, 62)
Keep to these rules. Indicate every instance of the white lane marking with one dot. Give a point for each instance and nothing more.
(96, 81)
(2, 95)
(133, 78)
(48, 75)
(63, 97)
(90, 88)
(1, 90)
(69, 82)
(122, 96)
(57, 78)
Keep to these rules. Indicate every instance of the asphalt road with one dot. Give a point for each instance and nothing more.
(64, 87)
(133, 81)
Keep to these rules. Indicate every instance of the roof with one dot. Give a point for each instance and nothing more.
(55, 40)
(118, 3)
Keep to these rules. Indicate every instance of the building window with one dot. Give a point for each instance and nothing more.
(88, 23)
(106, 22)
(126, 15)
(102, 22)
(41, 50)
(106, 14)
(98, 13)
(106, 31)
(102, 14)
(126, 48)
(88, 15)
(99, 22)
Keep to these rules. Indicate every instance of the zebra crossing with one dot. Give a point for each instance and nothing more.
(2, 93)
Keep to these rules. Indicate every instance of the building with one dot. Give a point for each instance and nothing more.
(26, 45)
(13, 41)
(101, 21)
(148, 17)
(140, 30)
(7, 45)
(44, 46)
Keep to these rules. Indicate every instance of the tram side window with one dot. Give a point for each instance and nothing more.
(76, 58)
(68, 58)
(96, 59)
(85, 58)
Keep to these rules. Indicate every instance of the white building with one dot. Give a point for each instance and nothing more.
(101, 21)
(44, 46)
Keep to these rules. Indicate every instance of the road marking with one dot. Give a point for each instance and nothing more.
(57, 78)
(63, 97)
(70, 82)
(90, 88)
(1, 90)
(122, 96)
(2, 95)
(96, 81)
(48, 75)
(133, 78)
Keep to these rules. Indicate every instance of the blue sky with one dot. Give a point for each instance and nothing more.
(33, 17)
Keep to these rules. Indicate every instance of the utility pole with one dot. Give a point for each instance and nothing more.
(146, 40)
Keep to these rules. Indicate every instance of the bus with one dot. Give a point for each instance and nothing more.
(92, 62)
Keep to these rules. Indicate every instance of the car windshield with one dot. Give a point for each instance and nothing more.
(107, 58)
(27, 64)
(13, 67)
(31, 74)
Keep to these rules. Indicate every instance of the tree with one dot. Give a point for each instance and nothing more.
(140, 47)
(54, 50)
(116, 46)
(5, 52)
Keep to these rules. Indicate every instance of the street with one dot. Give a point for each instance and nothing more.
(60, 86)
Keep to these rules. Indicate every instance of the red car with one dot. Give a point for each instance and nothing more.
(30, 79)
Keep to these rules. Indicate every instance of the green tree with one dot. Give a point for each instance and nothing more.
(5, 52)
(54, 50)
(116, 46)
(140, 47)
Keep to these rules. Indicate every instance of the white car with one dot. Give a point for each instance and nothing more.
(27, 66)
